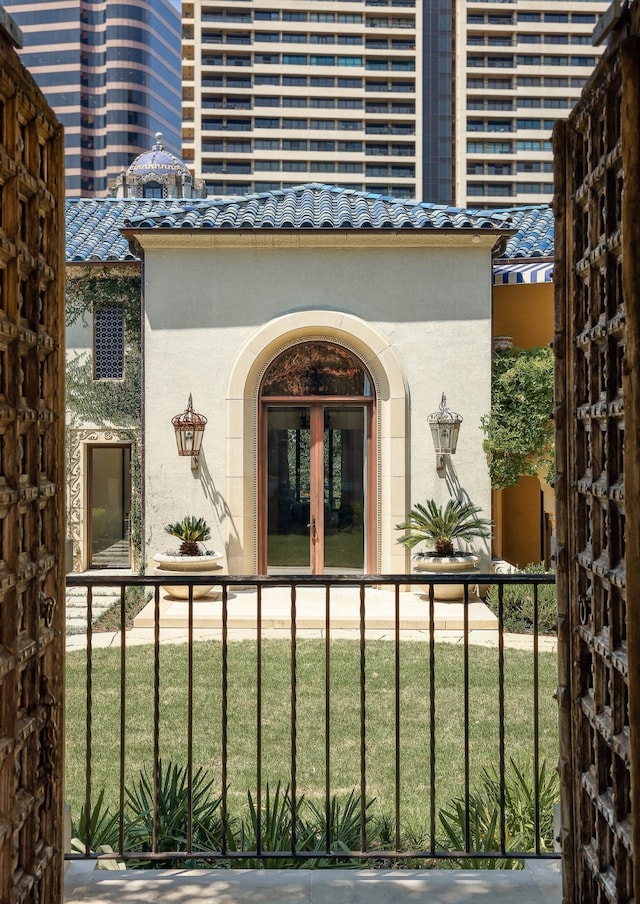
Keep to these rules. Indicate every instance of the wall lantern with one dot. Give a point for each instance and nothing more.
(189, 427)
(445, 426)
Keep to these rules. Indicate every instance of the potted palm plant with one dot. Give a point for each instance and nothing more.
(438, 527)
(191, 558)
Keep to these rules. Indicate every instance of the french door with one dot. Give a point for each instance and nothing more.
(316, 487)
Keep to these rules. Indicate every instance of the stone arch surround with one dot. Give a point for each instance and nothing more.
(377, 354)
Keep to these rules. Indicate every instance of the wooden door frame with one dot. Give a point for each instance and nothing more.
(317, 404)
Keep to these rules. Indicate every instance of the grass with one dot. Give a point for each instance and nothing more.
(310, 738)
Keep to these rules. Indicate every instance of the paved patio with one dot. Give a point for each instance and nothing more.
(310, 610)
(276, 620)
(538, 883)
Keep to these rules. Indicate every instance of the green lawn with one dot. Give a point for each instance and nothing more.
(276, 711)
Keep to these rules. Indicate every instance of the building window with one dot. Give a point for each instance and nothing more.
(152, 190)
(108, 343)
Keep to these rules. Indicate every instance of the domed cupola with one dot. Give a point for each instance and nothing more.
(157, 174)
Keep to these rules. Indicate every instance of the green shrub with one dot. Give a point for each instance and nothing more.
(518, 604)
(519, 816)
(270, 830)
(313, 824)
(103, 827)
(172, 803)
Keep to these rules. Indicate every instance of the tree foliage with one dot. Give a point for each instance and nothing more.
(519, 429)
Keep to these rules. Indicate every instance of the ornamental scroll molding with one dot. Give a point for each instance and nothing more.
(77, 439)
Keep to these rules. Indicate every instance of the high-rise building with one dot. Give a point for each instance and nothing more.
(432, 99)
(523, 66)
(277, 93)
(111, 72)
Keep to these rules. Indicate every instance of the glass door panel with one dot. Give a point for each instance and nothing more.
(288, 489)
(110, 504)
(316, 489)
(344, 489)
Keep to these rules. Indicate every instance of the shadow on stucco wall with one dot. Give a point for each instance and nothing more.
(222, 512)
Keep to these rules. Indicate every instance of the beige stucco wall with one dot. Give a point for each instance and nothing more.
(219, 306)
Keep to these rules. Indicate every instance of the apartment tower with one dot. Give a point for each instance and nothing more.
(428, 99)
(111, 72)
(277, 93)
(523, 66)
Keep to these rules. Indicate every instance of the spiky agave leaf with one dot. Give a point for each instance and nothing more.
(269, 828)
(172, 804)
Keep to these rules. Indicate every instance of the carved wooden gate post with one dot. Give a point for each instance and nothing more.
(31, 485)
(597, 342)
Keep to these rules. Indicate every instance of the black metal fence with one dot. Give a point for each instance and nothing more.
(469, 754)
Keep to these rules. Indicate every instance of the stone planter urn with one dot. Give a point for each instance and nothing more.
(205, 564)
(446, 565)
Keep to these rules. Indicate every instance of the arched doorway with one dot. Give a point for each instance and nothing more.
(316, 462)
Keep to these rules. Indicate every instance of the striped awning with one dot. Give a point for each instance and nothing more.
(516, 274)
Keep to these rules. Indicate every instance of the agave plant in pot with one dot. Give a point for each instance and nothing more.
(191, 558)
(438, 527)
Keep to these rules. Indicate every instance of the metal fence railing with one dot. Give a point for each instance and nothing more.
(320, 746)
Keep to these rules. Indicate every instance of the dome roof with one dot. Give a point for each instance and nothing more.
(158, 161)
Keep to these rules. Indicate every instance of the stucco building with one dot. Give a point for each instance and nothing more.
(239, 295)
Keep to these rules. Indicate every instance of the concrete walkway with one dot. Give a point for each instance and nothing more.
(310, 618)
(539, 883)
